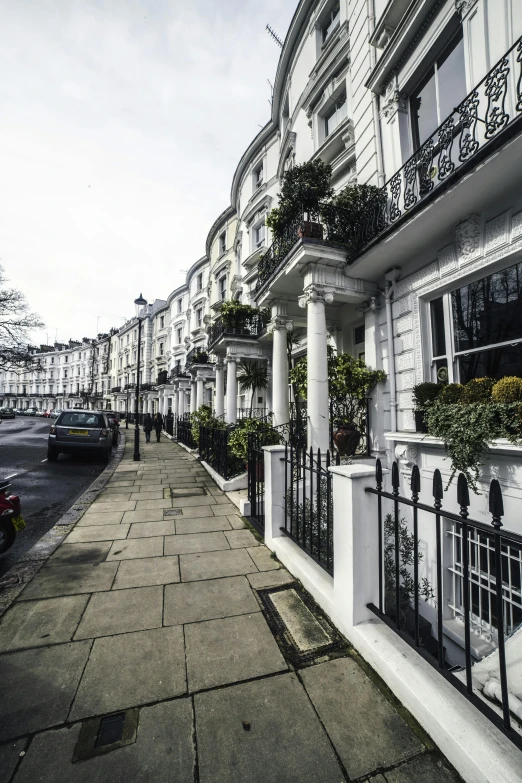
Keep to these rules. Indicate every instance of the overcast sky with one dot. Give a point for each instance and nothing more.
(122, 124)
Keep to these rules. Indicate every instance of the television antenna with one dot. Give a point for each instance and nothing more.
(274, 36)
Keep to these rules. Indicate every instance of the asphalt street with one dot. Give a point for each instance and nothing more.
(47, 490)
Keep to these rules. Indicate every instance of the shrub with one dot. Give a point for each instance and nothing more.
(238, 438)
(508, 390)
(451, 393)
(204, 417)
(426, 393)
(236, 315)
(304, 189)
(478, 390)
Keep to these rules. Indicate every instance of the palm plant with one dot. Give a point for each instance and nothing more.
(251, 377)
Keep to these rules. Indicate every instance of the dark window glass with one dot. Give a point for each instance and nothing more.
(437, 327)
(81, 420)
(488, 311)
(424, 109)
(495, 363)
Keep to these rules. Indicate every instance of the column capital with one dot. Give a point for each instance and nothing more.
(230, 358)
(316, 293)
(219, 364)
(282, 322)
(200, 376)
(463, 7)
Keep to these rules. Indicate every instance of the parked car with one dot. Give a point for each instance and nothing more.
(31, 412)
(40, 412)
(20, 412)
(55, 413)
(80, 431)
(7, 413)
(114, 423)
(47, 414)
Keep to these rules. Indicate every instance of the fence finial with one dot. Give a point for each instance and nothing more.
(438, 491)
(395, 477)
(415, 481)
(378, 473)
(462, 492)
(496, 504)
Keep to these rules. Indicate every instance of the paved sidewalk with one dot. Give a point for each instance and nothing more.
(151, 603)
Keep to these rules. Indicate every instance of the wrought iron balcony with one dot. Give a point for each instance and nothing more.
(162, 378)
(250, 327)
(115, 389)
(147, 387)
(129, 386)
(196, 356)
(178, 372)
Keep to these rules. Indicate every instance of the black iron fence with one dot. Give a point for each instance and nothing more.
(214, 449)
(169, 425)
(251, 413)
(309, 504)
(184, 432)
(483, 593)
(256, 481)
(196, 356)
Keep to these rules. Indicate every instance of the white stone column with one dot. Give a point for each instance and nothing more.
(175, 402)
(181, 401)
(220, 388)
(200, 390)
(314, 299)
(231, 390)
(280, 370)
(193, 396)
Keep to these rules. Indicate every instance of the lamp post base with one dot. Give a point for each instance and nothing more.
(137, 456)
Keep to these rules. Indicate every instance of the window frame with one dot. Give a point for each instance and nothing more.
(332, 111)
(328, 24)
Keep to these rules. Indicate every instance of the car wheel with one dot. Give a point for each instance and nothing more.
(52, 455)
(7, 536)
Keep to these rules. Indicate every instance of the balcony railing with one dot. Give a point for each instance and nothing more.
(115, 389)
(486, 118)
(162, 378)
(196, 356)
(129, 386)
(178, 372)
(147, 387)
(247, 328)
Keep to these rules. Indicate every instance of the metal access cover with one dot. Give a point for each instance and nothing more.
(172, 512)
(187, 492)
(301, 629)
(101, 735)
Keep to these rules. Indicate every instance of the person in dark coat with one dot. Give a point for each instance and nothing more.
(158, 425)
(147, 427)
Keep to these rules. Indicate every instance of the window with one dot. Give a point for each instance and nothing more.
(259, 235)
(222, 287)
(66, 358)
(179, 333)
(180, 305)
(52, 362)
(128, 337)
(199, 317)
(335, 115)
(331, 21)
(162, 322)
(200, 281)
(441, 89)
(161, 349)
(258, 176)
(65, 373)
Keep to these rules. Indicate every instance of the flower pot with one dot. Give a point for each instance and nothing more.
(310, 229)
(346, 439)
(420, 422)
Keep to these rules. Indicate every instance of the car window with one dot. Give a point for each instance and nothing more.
(79, 420)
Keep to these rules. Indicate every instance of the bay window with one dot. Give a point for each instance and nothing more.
(331, 21)
(335, 115)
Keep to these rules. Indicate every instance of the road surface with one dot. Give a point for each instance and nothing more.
(47, 489)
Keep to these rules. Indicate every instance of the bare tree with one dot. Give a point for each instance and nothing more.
(16, 322)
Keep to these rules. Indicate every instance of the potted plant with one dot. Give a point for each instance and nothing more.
(424, 394)
(239, 437)
(304, 190)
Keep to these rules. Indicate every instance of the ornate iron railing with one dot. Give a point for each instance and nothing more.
(184, 432)
(147, 387)
(115, 389)
(162, 378)
(254, 413)
(215, 451)
(196, 356)
(485, 559)
(247, 327)
(128, 386)
(178, 372)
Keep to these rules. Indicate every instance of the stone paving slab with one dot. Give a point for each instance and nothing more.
(202, 524)
(9, 758)
(144, 667)
(110, 496)
(212, 565)
(371, 734)
(241, 538)
(97, 533)
(166, 527)
(93, 552)
(90, 519)
(100, 506)
(120, 483)
(261, 556)
(163, 752)
(41, 683)
(145, 515)
(147, 571)
(229, 650)
(196, 542)
(147, 494)
(193, 500)
(69, 580)
(284, 743)
(198, 512)
(136, 547)
(193, 602)
(425, 768)
(39, 623)
(260, 581)
(236, 521)
(146, 505)
(122, 611)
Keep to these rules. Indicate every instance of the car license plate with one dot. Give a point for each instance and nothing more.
(18, 522)
(78, 432)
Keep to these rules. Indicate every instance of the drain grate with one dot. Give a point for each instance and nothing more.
(101, 735)
(172, 512)
(301, 629)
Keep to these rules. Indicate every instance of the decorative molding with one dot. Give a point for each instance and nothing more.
(405, 400)
(403, 325)
(315, 293)
(404, 361)
(406, 341)
(447, 259)
(467, 237)
(407, 454)
(417, 279)
(281, 322)
(516, 225)
(497, 232)
(393, 101)
(408, 380)
(463, 7)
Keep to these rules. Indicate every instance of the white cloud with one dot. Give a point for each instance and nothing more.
(122, 124)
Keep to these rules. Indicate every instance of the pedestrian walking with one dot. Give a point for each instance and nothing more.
(147, 426)
(158, 425)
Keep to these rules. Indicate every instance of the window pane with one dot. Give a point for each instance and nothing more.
(495, 363)
(424, 110)
(437, 327)
(488, 311)
(451, 78)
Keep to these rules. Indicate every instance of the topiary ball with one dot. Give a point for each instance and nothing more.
(508, 390)
(452, 393)
(478, 390)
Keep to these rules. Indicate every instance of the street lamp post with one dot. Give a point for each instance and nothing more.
(139, 303)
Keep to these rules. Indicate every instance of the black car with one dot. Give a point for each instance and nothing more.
(7, 413)
(114, 424)
(80, 431)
